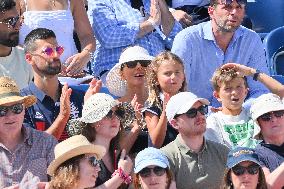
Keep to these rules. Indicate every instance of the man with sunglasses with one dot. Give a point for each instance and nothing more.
(268, 112)
(56, 103)
(197, 163)
(22, 149)
(207, 46)
(12, 58)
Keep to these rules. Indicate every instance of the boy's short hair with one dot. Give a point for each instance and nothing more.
(221, 76)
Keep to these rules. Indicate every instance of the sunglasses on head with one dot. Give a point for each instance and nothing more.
(11, 22)
(146, 172)
(192, 113)
(227, 2)
(50, 51)
(268, 116)
(16, 109)
(93, 161)
(118, 113)
(240, 170)
(133, 64)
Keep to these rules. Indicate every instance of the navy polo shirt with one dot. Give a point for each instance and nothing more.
(41, 115)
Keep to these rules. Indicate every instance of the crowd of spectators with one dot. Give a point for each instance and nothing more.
(189, 101)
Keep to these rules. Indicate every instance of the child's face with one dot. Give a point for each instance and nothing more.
(170, 76)
(232, 94)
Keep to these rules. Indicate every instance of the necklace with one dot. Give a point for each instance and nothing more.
(53, 2)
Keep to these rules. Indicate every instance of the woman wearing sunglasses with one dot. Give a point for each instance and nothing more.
(152, 170)
(243, 170)
(100, 124)
(76, 164)
(127, 80)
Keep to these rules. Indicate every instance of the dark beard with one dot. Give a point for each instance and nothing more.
(10, 41)
(52, 70)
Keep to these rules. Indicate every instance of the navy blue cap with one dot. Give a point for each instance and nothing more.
(240, 154)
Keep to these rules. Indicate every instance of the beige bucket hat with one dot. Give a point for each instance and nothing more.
(9, 93)
(72, 147)
(114, 82)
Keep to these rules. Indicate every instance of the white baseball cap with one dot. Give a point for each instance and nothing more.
(181, 103)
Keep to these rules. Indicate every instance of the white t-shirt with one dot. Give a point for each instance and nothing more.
(16, 67)
(232, 130)
(179, 3)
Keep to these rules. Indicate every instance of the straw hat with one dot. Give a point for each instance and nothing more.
(72, 147)
(9, 93)
(114, 82)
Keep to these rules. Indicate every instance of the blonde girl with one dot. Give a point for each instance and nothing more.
(165, 78)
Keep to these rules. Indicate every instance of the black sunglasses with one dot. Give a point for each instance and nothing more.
(146, 172)
(133, 64)
(118, 113)
(16, 109)
(191, 113)
(240, 170)
(93, 161)
(227, 2)
(11, 21)
(268, 116)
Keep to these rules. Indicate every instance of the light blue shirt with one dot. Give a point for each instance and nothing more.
(197, 47)
(116, 24)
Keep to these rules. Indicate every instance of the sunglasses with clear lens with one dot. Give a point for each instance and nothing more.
(268, 116)
(146, 172)
(16, 109)
(118, 113)
(227, 2)
(11, 22)
(50, 51)
(240, 170)
(93, 161)
(133, 64)
(191, 113)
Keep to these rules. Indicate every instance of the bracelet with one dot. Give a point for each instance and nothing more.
(156, 27)
(125, 177)
(255, 75)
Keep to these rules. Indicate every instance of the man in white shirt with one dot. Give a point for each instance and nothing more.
(12, 58)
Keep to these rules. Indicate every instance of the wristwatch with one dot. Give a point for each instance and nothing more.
(256, 74)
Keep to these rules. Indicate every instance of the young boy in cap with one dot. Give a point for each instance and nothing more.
(191, 156)
(232, 126)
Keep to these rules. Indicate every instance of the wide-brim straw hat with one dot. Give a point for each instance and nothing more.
(115, 84)
(72, 147)
(10, 93)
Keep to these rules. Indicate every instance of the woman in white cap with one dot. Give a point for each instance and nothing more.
(152, 170)
(243, 170)
(127, 80)
(76, 164)
(100, 124)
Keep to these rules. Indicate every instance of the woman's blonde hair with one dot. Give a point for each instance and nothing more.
(137, 185)
(152, 80)
(67, 174)
(228, 184)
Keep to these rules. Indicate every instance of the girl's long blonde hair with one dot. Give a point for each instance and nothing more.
(152, 80)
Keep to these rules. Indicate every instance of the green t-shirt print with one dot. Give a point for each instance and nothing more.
(241, 134)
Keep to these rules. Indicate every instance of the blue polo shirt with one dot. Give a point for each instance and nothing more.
(41, 115)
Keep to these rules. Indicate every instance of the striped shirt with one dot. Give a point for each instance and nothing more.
(33, 155)
(116, 24)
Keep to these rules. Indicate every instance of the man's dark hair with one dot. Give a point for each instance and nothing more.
(39, 33)
(6, 5)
